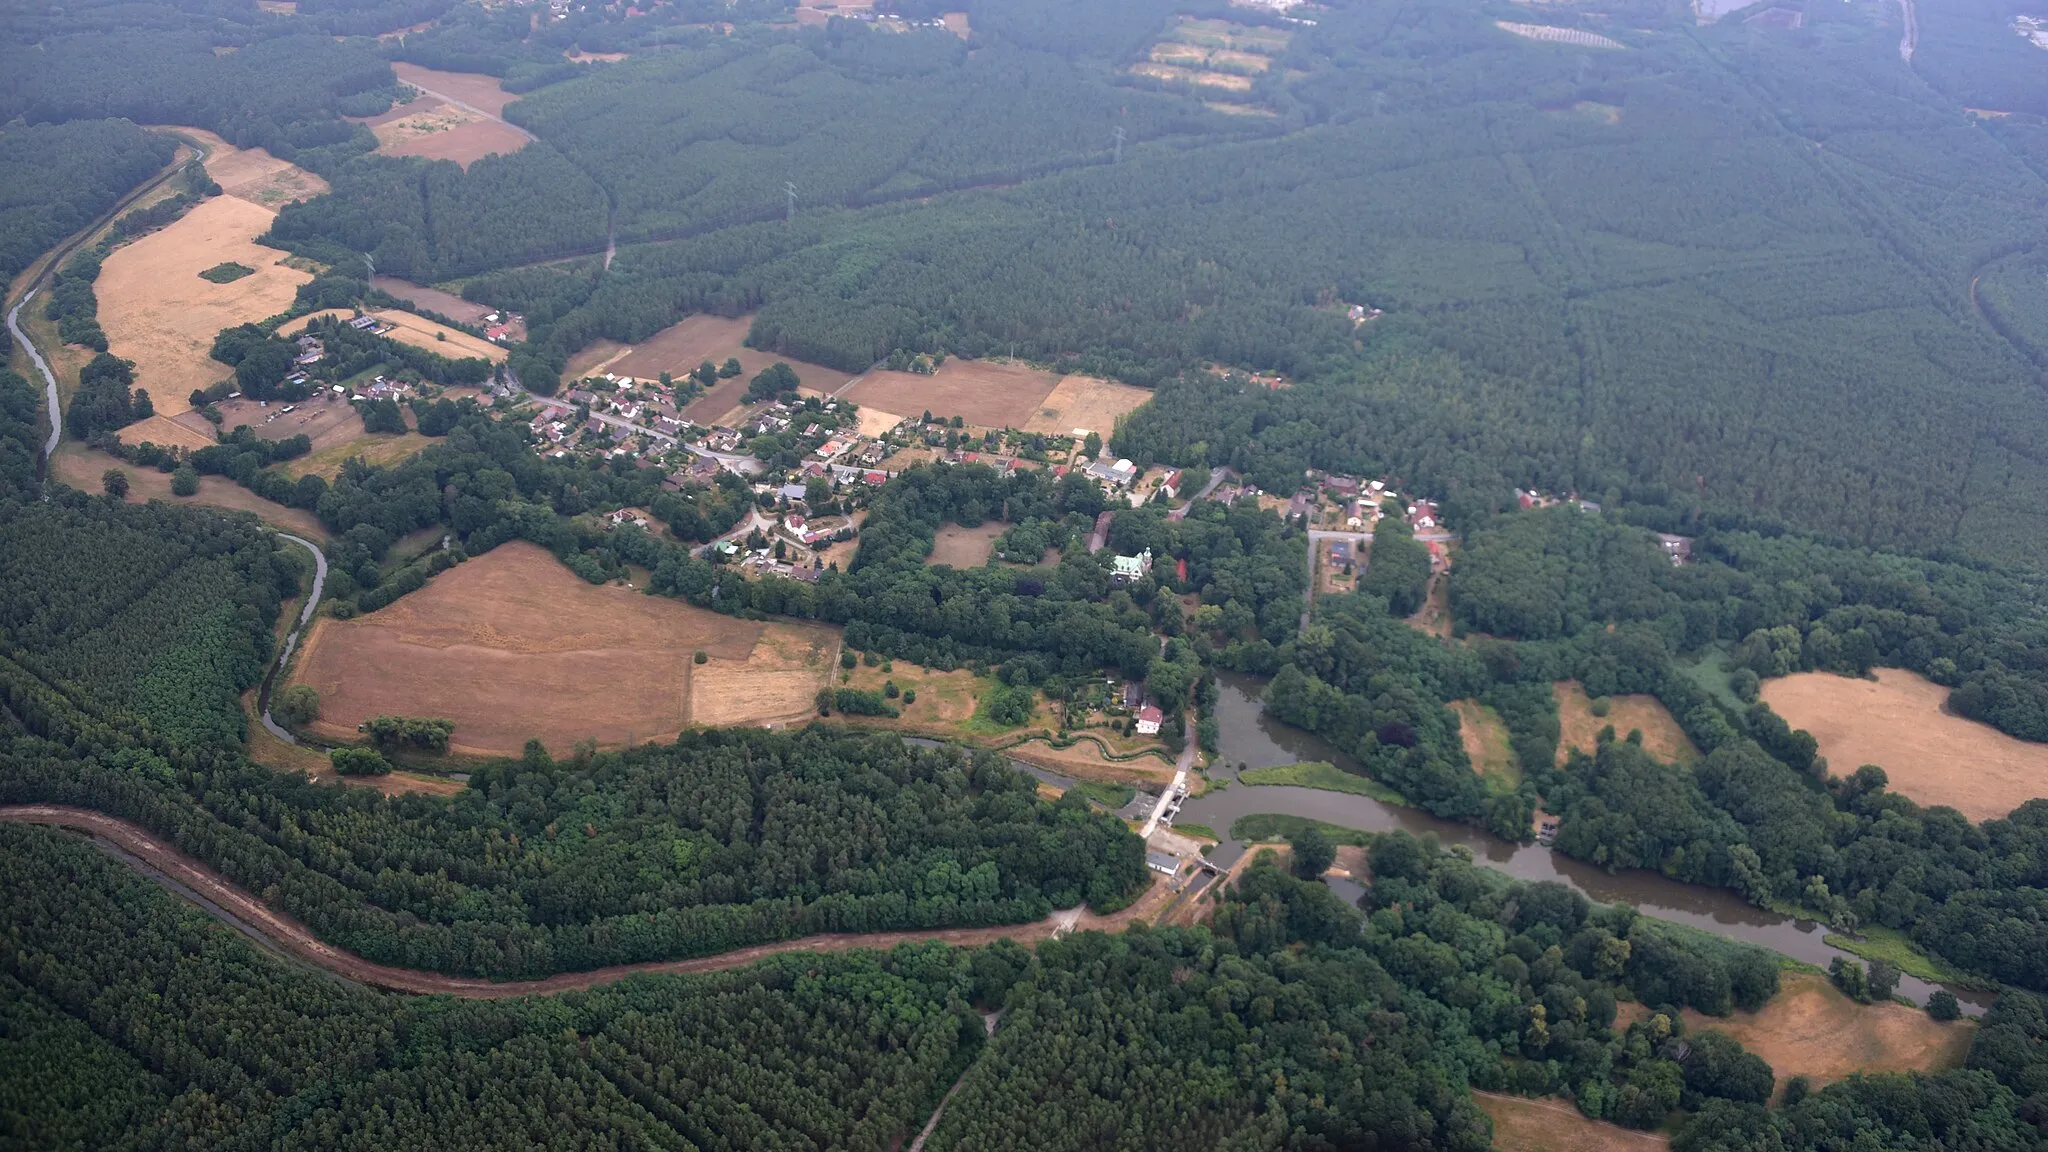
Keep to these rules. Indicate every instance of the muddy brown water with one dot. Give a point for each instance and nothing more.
(1251, 737)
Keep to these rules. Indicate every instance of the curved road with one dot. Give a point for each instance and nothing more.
(165, 864)
(292, 641)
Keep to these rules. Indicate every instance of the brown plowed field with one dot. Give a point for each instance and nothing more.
(1901, 723)
(440, 131)
(472, 88)
(434, 300)
(161, 861)
(513, 646)
(981, 392)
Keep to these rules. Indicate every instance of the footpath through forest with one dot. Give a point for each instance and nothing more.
(188, 877)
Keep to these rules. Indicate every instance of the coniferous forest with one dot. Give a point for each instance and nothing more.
(1773, 282)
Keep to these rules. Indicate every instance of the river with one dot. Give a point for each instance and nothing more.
(49, 379)
(1250, 737)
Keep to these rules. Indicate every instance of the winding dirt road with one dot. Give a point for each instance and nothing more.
(188, 877)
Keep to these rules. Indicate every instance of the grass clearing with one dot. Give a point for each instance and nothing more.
(1579, 728)
(965, 547)
(1485, 736)
(160, 313)
(1317, 774)
(1264, 826)
(1522, 1124)
(1110, 796)
(511, 645)
(1877, 942)
(81, 467)
(1810, 1029)
(984, 393)
(1086, 402)
(1901, 723)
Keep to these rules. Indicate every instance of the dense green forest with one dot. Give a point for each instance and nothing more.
(57, 178)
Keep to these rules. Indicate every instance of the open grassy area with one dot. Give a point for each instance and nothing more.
(1810, 1029)
(1522, 1124)
(1878, 942)
(1485, 736)
(1328, 777)
(1111, 796)
(1261, 826)
(1705, 670)
(1901, 723)
(1579, 728)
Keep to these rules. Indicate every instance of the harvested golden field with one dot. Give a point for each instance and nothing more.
(81, 467)
(1522, 1124)
(169, 431)
(1901, 723)
(1580, 729)
(472, 88)
(437, 130)
(1810, 1029)
(434, 300)
(417, 331)
(875, 422)
(1086, 402)
(965, 547)
(160, 314)
(595, 359)
(1485, 737)
(513, 646)
(984, 393)
(252, 174)
(957, 23)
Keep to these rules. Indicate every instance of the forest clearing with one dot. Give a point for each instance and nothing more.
(345, 443)
(253, 174)
(1811, 1029)
(418, 331)
(436, 130)
(1580, 729)
(1901, 723)
(1553, 35)
(1523, 1124)
(81, 467)
(983, 393)
(1485, 736)
(472, 88)
(1088, 402)
(158, 312)
(512, 645)
(965, 547)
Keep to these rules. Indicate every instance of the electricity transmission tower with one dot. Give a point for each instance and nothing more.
(789, 188)
(1119, 158)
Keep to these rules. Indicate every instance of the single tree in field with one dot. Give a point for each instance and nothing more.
(115, 482)
(296, 705)
(184, 481)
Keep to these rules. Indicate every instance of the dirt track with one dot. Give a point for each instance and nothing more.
(180, 872)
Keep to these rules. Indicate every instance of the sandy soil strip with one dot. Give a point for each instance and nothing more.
(185, 875)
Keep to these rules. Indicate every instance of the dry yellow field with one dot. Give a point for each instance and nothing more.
(965, 547)
(1810, 1029)
(164, 430)
(1901, 723)
(1580, 729)
(1205, 78)
(417, 331)
(160, 314)
(1521, 1124)
(1086, 402)
(512, 646)
(252, 174)
(81, 467)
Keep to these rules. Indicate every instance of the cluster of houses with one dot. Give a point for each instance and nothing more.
(1360, 504)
